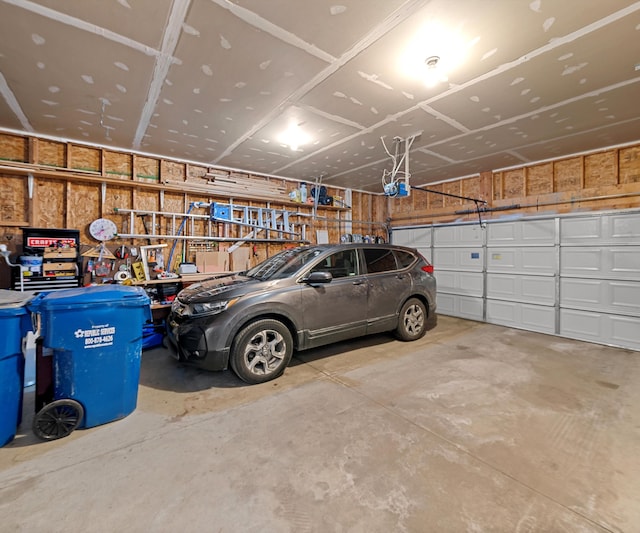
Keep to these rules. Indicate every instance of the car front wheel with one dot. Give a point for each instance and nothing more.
(261, 351)
(411, 323)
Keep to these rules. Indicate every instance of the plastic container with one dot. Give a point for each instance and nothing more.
(152, 336)
(32, 263)
(14, 322)
(303, 193)
(94, 336)
(11, 383)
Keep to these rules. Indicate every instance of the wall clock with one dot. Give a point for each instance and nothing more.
(103, 229)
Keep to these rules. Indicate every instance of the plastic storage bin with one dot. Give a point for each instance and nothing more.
(14, 323)
(94, 337)
(11, 376)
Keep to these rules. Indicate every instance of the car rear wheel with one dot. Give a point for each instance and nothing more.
(411, 325)
(261, 351)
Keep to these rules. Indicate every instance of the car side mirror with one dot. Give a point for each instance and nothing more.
(318, 277)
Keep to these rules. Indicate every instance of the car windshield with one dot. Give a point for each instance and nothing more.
(284, 264)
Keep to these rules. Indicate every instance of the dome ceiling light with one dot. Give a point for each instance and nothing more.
(434, 73)
(294, 137)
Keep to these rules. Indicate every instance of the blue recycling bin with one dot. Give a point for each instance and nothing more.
(94, 337)
(14, 322)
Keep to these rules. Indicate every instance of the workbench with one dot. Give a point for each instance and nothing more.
(160, 310)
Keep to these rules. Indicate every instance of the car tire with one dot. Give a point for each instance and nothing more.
(412, 321)
(261, 351)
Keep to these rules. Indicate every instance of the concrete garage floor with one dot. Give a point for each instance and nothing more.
(475, 428)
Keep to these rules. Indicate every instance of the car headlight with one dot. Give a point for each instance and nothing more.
(210, 308)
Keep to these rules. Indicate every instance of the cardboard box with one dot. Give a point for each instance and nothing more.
(241, 259)
(212, 262)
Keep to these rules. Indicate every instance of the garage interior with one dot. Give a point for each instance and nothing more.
(500, 139)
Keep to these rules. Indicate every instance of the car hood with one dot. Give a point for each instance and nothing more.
(229, 286)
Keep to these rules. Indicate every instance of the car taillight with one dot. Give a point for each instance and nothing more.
(428, 269)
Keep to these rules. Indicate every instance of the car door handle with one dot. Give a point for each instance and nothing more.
(358, 282)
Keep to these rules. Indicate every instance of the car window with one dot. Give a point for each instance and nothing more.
(339, 264)
(405, 259)
(379, 260)
(284, 264)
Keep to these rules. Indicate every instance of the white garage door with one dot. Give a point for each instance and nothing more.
(576, 276)
(521, 274)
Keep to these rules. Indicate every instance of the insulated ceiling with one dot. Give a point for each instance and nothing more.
(218, 81)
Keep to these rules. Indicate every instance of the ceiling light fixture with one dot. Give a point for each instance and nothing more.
(432, 62)
(434, 73)
(294, 137)
(446, 49)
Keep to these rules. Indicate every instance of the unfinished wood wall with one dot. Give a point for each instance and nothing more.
(51, 184)
(609, 179)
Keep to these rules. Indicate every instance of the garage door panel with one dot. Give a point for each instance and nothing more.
(521, 315)
(603, 229)
(601, 262)
(534, 289)
(581, 230)
(464, 235)
(625, 331)
(621, 297)
(463, 283)
(616, 330)
(414, 238)
(625, 228)
(581, 324)
(534, 260)
(468, 259)
(522, 233)
(402, 237)
(460, 306)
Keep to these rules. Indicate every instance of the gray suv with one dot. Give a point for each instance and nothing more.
(299, 299)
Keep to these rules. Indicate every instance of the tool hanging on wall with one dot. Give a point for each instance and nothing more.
(184, 244)
(143, 217)
(122, 252)
(103, 268)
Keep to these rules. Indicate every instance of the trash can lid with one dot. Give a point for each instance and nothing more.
(14, 302)
(99, 294)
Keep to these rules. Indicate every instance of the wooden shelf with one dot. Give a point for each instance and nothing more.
(185, 278)
(85, 176)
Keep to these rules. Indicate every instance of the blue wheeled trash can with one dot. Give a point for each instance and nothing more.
(88, 356)
(14, 323)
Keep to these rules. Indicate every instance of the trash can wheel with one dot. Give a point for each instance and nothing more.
(57, 419)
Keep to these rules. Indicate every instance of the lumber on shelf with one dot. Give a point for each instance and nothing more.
(227, 185)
